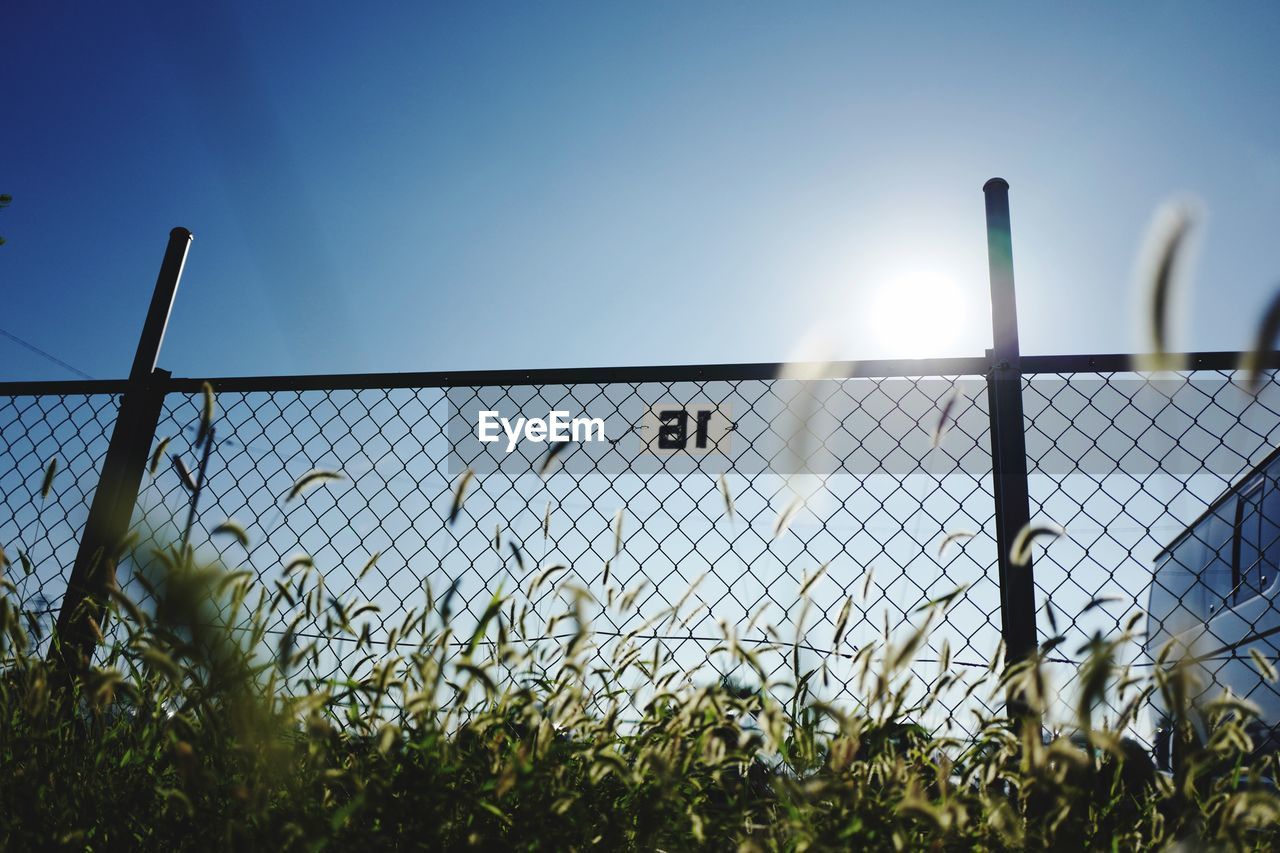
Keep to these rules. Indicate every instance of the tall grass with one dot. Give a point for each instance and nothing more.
(192, 731)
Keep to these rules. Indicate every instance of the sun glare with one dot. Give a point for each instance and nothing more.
(918, 315)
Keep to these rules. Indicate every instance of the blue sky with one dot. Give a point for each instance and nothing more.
(431, 187)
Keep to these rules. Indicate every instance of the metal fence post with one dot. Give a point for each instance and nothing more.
(122, 470)
(1008, 442)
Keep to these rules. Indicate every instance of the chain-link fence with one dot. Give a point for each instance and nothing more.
(717, 491)
(41, 532)
(886, 498)
(1164, 485)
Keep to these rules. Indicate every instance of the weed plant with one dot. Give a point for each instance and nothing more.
(191, 731)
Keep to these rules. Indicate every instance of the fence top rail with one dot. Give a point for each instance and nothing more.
(1124, 363)
(871, 369)
(601, 375)
(63, 386)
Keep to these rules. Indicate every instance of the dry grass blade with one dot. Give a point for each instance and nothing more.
(183, 473)
(940, 428)
(808, 584)
(372, 561)
(478, 674)
(1052, 615)
(1255, 361)
(1171, 231)
(555, 450)
(783, 522)
(232, 578)
(544, 575)
(1020, 551)
(50, 470)
(954, 536)
(900, 655)
(688, 593)
(728, 497)
(367, 607)
(944, 602)
(492, 611)
(298, 561)
(162, 663)
(1100, 601)
(125, 603)
(460, 494)
(310, 479)
(868, 580)
(617, 532)
(1266, 667)
(233, 528)
(1134, 619)
(158, 454)
(1094, 675)
(1228, 703)
(206, 414)
(842, 622)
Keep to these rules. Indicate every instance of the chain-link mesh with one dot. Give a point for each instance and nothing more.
(1128, 464)
(40, 534)
(885, 502)
(1150, 476)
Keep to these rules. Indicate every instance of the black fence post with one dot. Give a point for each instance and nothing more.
(1008, 442)
(81, 618)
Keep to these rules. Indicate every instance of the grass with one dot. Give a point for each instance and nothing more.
(193, 731)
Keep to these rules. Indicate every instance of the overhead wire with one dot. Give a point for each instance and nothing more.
(43, 354)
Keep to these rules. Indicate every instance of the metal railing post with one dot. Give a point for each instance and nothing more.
(1008, 441)
(81, 617)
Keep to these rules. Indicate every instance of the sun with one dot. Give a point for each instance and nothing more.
(918, 315)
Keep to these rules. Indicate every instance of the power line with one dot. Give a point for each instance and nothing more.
(35, 349)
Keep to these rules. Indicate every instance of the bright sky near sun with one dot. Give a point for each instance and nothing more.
(452, 186)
